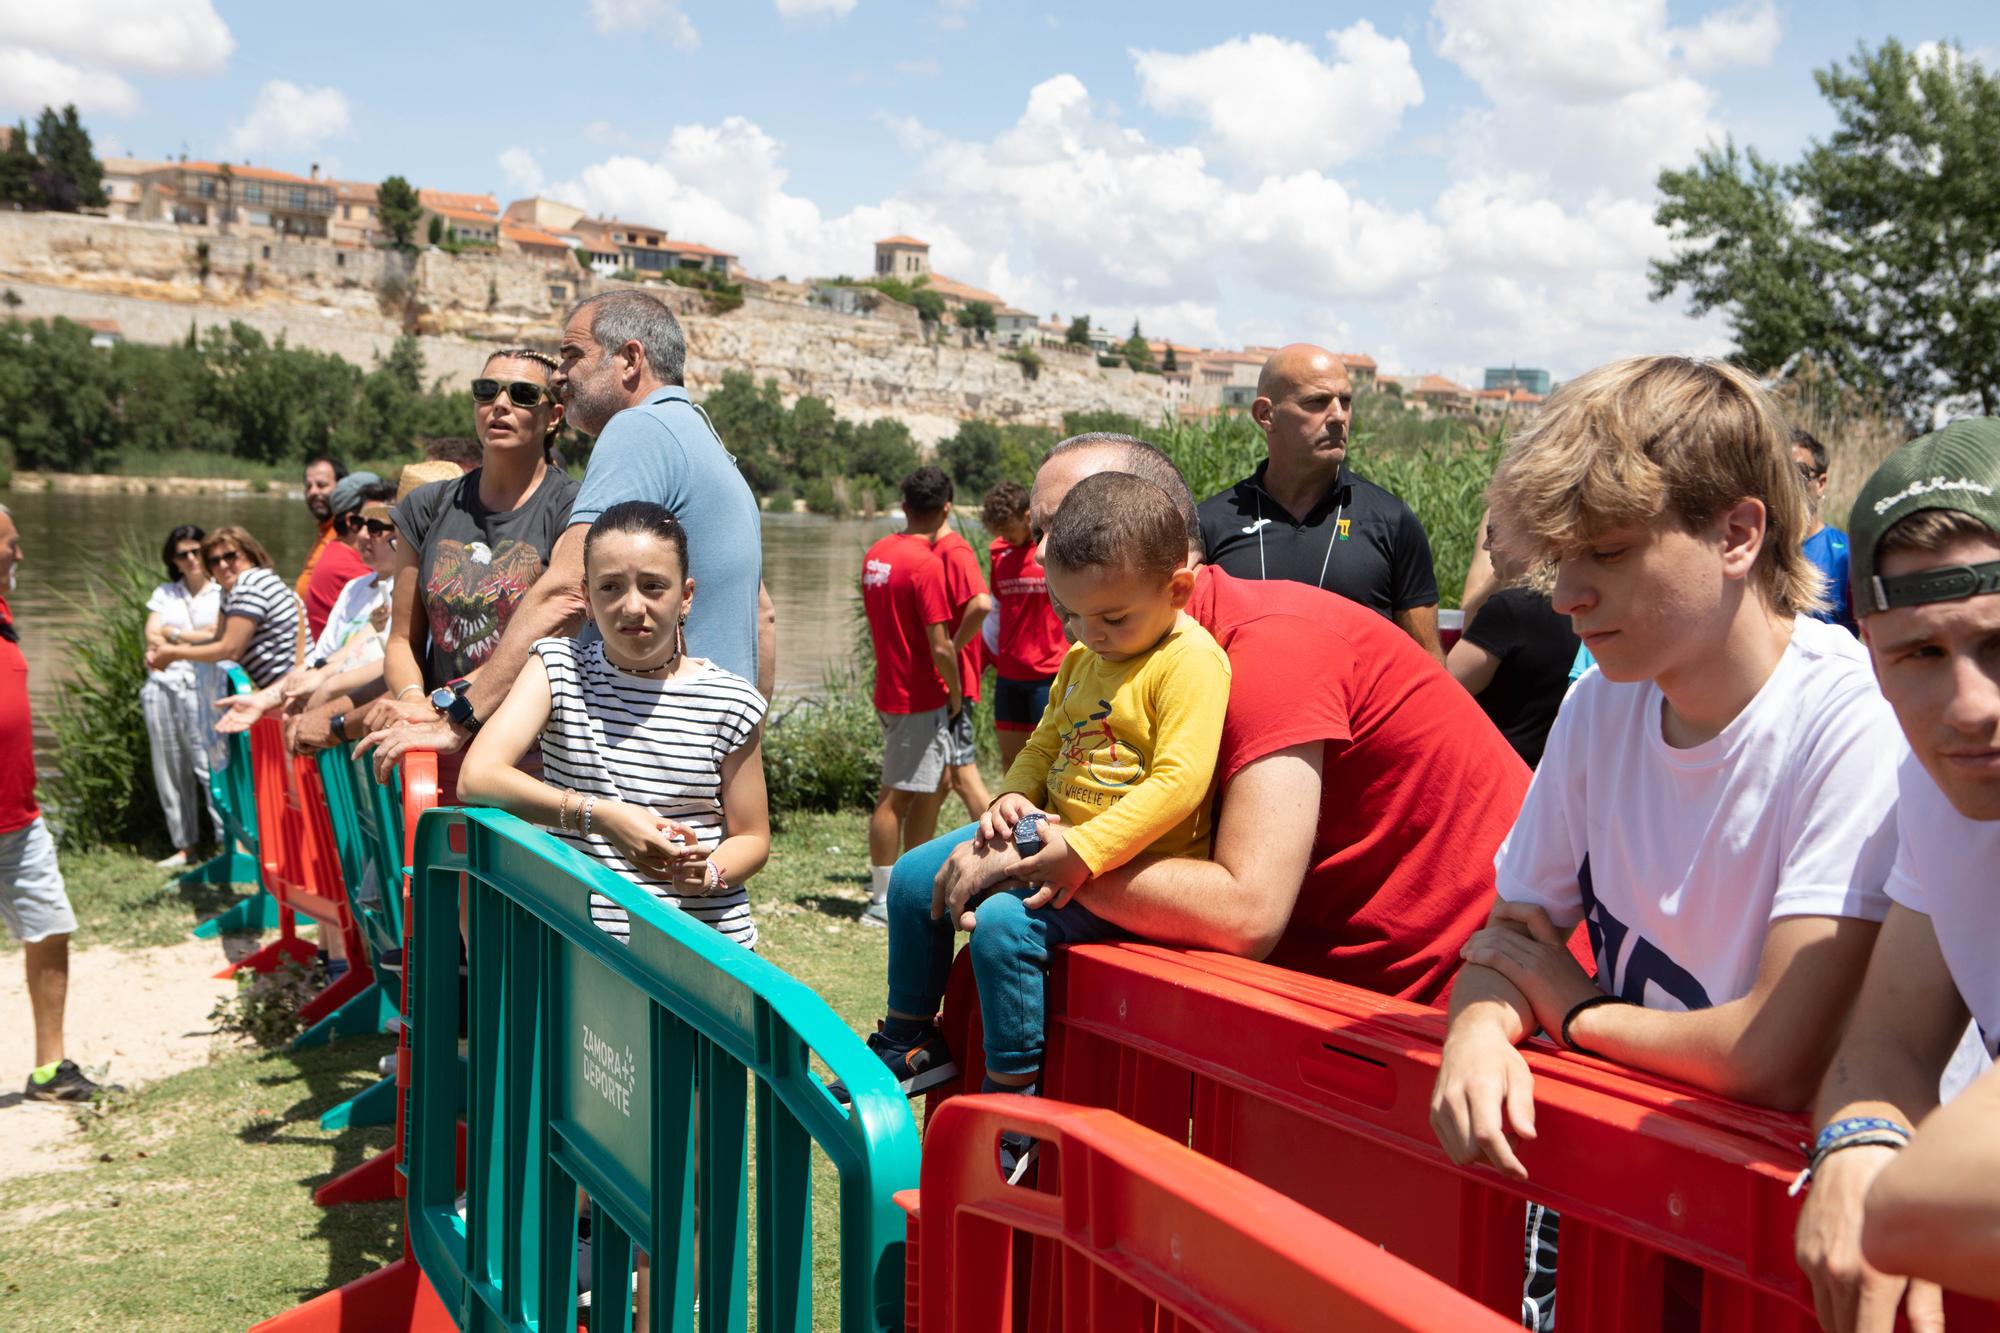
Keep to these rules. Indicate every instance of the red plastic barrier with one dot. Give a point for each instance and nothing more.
(1151, 1235)
(1674, 1203)
(301, 868)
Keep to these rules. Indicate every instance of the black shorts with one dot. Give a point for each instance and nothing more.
(1018, 704)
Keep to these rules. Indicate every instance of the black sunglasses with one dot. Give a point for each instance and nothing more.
(522, 393)
(378, 527)
(223, 558)
(187, 553)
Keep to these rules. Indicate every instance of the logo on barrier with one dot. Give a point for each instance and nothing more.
(610, 1072)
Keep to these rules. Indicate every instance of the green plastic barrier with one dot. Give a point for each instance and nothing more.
(236, 862)
(368, 834)
(591, 1065)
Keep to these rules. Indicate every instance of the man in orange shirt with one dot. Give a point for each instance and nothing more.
(323, 472)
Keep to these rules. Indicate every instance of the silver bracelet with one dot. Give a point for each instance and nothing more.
(589, 803)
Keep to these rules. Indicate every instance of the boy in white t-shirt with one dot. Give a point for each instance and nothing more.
(1926, 570)
(1716, 801)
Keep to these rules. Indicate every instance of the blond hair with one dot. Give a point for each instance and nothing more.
(1656, 437)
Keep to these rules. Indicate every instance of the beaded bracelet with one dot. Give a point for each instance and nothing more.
(562, 813)
(589, 804)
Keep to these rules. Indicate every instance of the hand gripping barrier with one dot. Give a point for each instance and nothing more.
(621, 1070)
(396, 1296)
(1151, 1235)
(1674, 1206)
(236, 861)
(302, 871)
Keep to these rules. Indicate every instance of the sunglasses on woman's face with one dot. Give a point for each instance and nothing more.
(188, 553)
(224, 558)
(378, 528)
(522, 393)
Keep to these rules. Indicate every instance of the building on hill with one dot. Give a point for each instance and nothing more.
(1434, 392)
(227, 195)
(957, 295)
(467, 226)
(125, 184)
(441, 200)
(535, 242)
(1015, 328)
(1536, 382)
(1505, 401)
(1360, 370)
(648, 250)
(903, 257)
(356, 218)
(547, 214)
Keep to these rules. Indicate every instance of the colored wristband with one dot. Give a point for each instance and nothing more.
(1569, 1042)
(1836, 1130)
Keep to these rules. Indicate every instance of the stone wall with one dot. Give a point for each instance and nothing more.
(354, 303)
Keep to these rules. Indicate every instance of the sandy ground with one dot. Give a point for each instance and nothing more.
(142, 1011)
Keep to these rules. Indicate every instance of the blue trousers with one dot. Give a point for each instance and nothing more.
(1010, 954)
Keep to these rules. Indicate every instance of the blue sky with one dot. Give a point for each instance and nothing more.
(1443, 185)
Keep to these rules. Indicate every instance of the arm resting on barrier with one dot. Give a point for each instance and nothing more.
(1484, 1091)
(554, 606)
(1241, 901)
(1934, 1210)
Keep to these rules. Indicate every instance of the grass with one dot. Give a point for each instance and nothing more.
(195, 1209)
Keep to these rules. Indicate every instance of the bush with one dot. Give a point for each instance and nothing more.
(103, 791)
(266, 1005)
(825, 753)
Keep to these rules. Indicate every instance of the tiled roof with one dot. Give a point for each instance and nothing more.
(691, 248)
(242, 173)
(525, 235)
(465, 215)
(1356, 360)
(441, 200)
(944, 286)
(905, 240)
(354, 192)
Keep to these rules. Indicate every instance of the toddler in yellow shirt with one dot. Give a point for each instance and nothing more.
(1121, 765)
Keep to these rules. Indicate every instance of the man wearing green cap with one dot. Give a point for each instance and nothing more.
(1925, 537)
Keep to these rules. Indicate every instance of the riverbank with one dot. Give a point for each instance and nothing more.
(97, 483)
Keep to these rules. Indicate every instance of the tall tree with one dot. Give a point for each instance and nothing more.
(69, 175)
(397, 206)
(17, 170)
(1135, 350)
(1878, 252)
(1078, 333)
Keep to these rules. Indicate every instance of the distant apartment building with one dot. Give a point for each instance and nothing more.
(466, 226)
(1015, 328)
(357, 219)
(225, 195)
(648, 250)
(548, 214)
(1536, 382)
(125, 184)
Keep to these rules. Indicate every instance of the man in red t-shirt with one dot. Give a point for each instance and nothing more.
(340, 563)
(323, 472)
(917, 688)
(1363, 793)
(32, 896)
(965, 590)
(1031, 643)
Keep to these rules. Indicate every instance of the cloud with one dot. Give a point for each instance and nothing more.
(152, 36)
(523, 173)
(1271, 104)
(662, 16)
(953, 15)
(830, 9)
(926, 68)
(31, 80)
(288, 117)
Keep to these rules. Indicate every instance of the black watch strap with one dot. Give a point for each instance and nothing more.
(460, 712)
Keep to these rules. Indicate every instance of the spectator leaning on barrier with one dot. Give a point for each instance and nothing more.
(1029, 644)
(917, 689)
(322, 473)
(1360, 805)
(619, 379)
(1926, 587)
(1713, 798)
(1825, 546)
(174, 700)
(340, 561)
(32, 895)
(965, 590)
(1304, 514)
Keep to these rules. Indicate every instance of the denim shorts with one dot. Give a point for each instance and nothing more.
(31, 886)
(1018, 705)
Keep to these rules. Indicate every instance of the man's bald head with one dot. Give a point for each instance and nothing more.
(1304, 402)
(1082, 456)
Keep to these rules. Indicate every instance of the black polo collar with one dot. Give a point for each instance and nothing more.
(1340, 493)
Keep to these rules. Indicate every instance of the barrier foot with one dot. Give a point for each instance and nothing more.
(397, 1297)
(361, 1014)
(371, 1182)
(374, 1105)
(268, 958)
(250, 916)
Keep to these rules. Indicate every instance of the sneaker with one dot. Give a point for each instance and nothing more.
(174, 862)
(876, 913)
(68, 1084)
(392, 961)
(1017, 1156)
(920, 1066)
(387, 1064)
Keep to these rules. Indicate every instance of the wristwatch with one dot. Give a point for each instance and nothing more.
(336, 727)
(1028, 832)
(449, 699)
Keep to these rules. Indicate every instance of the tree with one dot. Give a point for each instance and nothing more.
(1135, 350)
(69, 176)
(929, 305)
(396, 204)
(978, 316)
(437, 230)
(17, 171)
(1873, 254)
(1170, 361)
(982, 454)
(1078, 333)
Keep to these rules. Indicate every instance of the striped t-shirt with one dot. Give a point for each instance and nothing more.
(656, 744)
(262, 598)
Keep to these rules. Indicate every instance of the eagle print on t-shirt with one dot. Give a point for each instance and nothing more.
(472, 593)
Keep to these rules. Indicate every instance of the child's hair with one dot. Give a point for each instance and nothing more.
(1004, 504)
(643, 517)
(1114, 520)
(1654, 437)
(926, 491)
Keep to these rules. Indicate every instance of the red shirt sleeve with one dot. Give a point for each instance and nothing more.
(1272, 705)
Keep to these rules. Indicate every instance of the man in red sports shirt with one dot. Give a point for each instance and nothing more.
(965, 590)
(1030, 645)
(1363, 792)
(917, 688)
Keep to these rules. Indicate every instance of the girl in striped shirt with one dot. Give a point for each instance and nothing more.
(653, 759)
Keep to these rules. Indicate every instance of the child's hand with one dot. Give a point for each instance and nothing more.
(996, 826)
(1055, 871)
(643, 838)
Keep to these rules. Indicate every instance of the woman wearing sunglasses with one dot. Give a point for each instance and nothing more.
(473, 546)
(261, 617)
(174, 699)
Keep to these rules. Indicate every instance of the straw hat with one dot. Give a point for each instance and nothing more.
(415, 475)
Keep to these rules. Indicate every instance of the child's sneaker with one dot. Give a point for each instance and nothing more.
(919, 1065)
(1017, 1156)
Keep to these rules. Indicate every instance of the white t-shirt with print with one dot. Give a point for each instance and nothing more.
(1945, 866)
(1680, 859)
(352, 618)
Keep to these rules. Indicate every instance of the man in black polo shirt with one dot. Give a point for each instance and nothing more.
(1304, 515)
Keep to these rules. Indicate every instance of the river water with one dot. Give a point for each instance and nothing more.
(812, 566)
